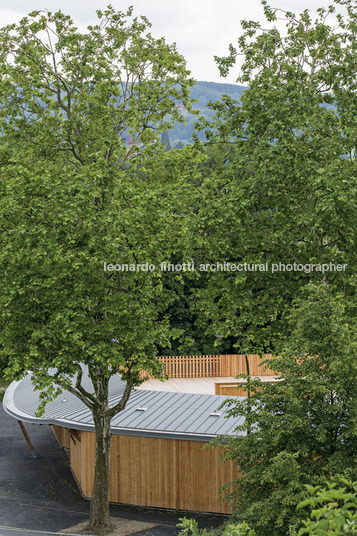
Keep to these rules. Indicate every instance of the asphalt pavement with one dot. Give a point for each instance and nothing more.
(40, 496)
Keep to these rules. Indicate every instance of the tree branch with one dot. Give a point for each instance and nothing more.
(122, 403)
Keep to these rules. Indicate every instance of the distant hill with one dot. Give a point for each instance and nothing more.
(180, 134)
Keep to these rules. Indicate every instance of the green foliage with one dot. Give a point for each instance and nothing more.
(74, 195)
(183, 316)
(302, 429)
(190, 528)
(3, 363)
(280, 182)
(242, 529)
(203, 93)
(333, 510)
(3, 385)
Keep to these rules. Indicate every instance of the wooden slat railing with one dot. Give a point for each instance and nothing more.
(196, 366)
(212, 366)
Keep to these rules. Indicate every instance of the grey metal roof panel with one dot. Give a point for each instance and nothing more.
(167, 414)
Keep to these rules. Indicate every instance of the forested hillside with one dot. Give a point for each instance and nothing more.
(205, 92)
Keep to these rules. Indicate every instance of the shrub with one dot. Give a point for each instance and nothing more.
(190, 528)
(333, 510)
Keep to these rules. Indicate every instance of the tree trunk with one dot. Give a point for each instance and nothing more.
(99, 506)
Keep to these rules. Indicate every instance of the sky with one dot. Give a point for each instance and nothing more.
(200, 28)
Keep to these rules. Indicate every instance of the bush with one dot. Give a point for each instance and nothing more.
(333, 510)
(190, 528)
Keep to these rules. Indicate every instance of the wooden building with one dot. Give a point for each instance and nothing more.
(156, 472)
(158, 457)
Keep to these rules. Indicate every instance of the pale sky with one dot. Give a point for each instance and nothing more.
(200, 28)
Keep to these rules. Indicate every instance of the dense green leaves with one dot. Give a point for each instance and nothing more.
(84, 182)
(303, 428)
(333, 509)
(280, 186)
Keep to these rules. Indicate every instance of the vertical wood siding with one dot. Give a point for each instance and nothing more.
(234, 388)
(63, 436)
(165, 473)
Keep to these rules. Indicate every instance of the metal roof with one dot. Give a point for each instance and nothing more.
(147, 413)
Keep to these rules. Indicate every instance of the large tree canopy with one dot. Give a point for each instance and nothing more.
(282, 186)
(283, 189)
(84, 182)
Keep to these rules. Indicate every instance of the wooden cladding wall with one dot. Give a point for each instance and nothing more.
(63, 436)
(233, 388)
(208, 366)
(164, 473)
(232, 365)
(146, 471)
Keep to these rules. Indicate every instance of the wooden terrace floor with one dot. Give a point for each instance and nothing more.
(192, 385)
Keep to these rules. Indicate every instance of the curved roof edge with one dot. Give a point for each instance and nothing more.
(159, 414)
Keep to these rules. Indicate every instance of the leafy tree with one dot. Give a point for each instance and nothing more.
(284, 188)
(196, 338)
(286, 192)
(302, 429)
(203, 93)
(76, 194)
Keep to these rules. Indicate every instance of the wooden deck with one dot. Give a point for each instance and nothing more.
(194, 385)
